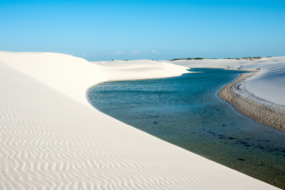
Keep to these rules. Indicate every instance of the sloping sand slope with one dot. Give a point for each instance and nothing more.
(52, 139)
(269, 83)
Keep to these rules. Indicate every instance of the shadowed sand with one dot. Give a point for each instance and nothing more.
(259, 110)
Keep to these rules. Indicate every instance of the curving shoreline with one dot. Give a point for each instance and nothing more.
(261, 111)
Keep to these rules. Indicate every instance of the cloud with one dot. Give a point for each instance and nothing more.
(154, 52)
(134, 52)
(119, 52)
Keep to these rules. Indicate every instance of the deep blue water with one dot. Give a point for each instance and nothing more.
(186, 111)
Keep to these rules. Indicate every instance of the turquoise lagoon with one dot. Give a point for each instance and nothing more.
(186, 111)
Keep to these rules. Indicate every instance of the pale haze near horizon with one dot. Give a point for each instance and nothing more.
(144, 29)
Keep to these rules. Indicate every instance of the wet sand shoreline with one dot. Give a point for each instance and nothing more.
(259, 110)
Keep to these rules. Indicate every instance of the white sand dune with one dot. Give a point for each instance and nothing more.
(139, 69)
(268, 83)
(51, 138)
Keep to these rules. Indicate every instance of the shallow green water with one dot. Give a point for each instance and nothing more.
(186, 111)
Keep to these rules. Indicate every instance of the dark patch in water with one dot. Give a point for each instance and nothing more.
(241, 159)
(211, 132)
(222, 137)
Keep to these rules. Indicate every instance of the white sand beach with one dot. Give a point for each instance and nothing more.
(52, 138)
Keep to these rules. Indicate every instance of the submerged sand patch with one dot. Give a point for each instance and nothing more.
(261, 111)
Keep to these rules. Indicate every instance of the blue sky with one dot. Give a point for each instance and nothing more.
(150, 29)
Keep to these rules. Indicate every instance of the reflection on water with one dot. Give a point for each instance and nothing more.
(185, 111)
